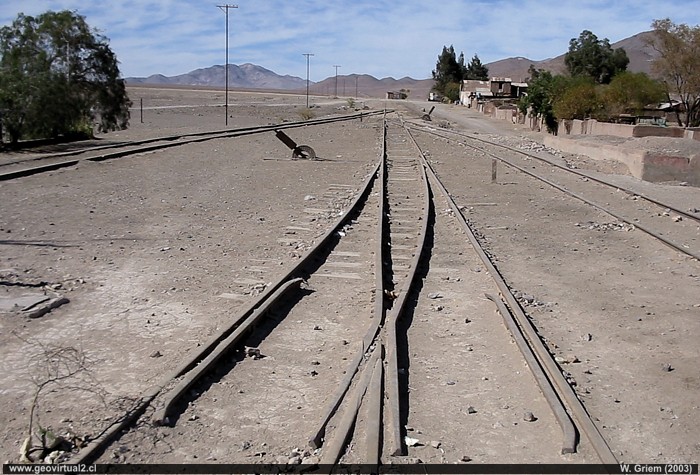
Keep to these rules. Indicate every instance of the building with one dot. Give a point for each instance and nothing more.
(471, 91)
(396, 95)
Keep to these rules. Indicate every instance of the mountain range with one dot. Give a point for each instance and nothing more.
(251, 76)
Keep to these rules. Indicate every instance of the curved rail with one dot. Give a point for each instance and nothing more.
(678, 247)
(91, 451)
(565, 392)
(170, 141)
(580, 173)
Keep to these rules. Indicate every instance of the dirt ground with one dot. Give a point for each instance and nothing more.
(156, 251)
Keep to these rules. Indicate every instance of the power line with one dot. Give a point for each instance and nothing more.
(225, 9)
(336, 79)
(307, 77)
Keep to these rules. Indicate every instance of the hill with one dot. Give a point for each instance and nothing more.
(246, 76)
(638, 52)
(251, 76)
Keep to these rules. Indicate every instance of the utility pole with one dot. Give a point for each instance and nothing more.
(336, 79)
(356, 77)
(307, 77)
(225, 8)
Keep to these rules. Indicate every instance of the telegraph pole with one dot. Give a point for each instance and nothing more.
(225, 8)
(336, 79)
(307, 77)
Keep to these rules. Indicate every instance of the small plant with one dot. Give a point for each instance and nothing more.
(306, 114)
(54, 368)
(351, 103)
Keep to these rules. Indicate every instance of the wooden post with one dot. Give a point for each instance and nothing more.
(494, 169)
(142, 110)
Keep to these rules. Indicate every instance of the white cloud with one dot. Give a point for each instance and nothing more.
(378, 37)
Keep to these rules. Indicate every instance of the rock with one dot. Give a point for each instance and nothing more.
(434, 295)
(294, 461)
(156, 354)
(471, 410)
(587, 337)
(465, 458)
(411, 442)
(667, 367)
(309, 198)
(435, 444)
(317, 328)
(253, 353)
(529, 417)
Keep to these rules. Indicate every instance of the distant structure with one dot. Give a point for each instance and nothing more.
(474, 92)
(396, 95)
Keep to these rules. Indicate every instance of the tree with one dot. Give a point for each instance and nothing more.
(447, 70)
(57, 77)
(678, 65)
(540, 97)
(476, 70)
(629, 93)
(578, 99)
(588, 56)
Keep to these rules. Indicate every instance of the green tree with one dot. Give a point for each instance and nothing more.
(476, 70)
(541, 92)
(58, 76)
(451, 91)
(678, 65)
(588, 56)
(629, 93)
(577, 100)
(447, 70)
(462, 66)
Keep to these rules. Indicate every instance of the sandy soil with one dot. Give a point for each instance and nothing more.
(155, 252)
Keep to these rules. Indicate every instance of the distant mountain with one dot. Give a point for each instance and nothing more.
(369, 86)
(245, 76)
(251, 76)
(638, 52)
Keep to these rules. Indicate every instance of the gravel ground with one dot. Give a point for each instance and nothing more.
(156, 251)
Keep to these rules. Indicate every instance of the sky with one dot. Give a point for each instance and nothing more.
(378, 37)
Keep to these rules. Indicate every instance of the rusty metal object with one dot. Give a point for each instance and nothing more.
(298, 151)
(427, 117)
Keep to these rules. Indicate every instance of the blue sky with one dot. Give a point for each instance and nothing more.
(378, 37)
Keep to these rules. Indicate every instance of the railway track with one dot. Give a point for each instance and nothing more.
(677, 228)
(380, 345)
(13, 169)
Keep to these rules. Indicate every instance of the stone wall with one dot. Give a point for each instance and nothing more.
(593, 127)
(646, 165)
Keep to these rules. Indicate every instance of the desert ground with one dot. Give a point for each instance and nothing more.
(155, 251)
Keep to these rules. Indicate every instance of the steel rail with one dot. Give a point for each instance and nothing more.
(564, 390)
(567, 426)
(316, 440)
(90, 451)
(334, 446)
(395, 440)
(575, 172)
(678, 247)
(161, 416)
(373, 394)
(563, 419)
(173, 141)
